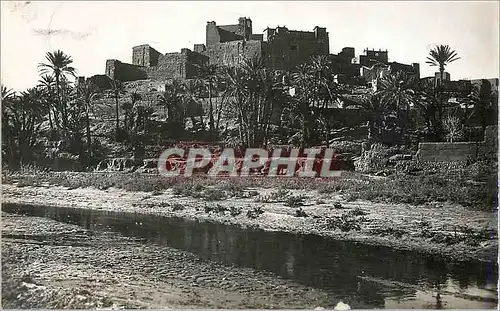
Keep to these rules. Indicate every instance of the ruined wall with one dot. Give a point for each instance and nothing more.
(288, 49)
(461, 151)
(101, 81)
(145, 55)
(117, 70)
(171, 65)
(212, 34)
(226, 33)
(230, 53)
(175, 65)
(447, 152)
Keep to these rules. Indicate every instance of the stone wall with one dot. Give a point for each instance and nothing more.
(117, 70)
(461, 151)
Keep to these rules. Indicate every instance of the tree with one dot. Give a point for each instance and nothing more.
(380, 115)
(453, 127)
(117, 89)
(320, 72)
(303, 84)
(22, 118)
(255, 90)
(87, 92)
(485, 103)
(128, 108)
(193, 106)
(396, 90)
(48, 84)
(441, 56)
(173, 100)
(58, 65)
(210, 75)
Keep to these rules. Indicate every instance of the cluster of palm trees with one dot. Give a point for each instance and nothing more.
(249, 102)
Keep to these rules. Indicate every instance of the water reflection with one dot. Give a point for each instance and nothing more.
(363, 276)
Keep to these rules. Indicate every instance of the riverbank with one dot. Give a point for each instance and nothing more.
(446, 229)
(49, 264)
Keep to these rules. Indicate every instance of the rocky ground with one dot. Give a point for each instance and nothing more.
(449, 230)
(48, 264)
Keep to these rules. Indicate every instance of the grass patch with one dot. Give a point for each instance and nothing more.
(474, 187)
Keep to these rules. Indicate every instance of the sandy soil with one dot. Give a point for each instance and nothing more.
(442, 218)
(48, 264)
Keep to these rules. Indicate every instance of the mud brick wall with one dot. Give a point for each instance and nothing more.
(461, 151)
(447, 152)
(124, 72)
(144, 55)
(288, 49)
(101, 81)
(228, 53)
(175, 65)
(171, 65)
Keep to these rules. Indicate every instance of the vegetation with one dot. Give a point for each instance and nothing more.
(249, 105)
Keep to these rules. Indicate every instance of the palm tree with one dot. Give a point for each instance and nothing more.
(192, 93)
(303, 83)
(128, 107)
(428, 102)
(378, 110)
(396, 89)
(256, 90)
(173, 100)
(320, 71)
(117, 89)
(22, 118)
(485, 103)
(209, 77)
(47, 84)
(87, 92)
(441, 56)
(58, 65)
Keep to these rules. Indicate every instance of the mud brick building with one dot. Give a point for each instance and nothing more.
(227, 45)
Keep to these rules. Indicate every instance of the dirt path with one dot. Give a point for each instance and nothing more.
(48, 264)
(428, 228)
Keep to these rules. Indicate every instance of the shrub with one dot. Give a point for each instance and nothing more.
(255, 212)
(375, 159)
(357, 211)
(235, 211)
(214, 195)
(338, 205)
(177, 207)
(300, 213)
(346, 222)
(295, 201)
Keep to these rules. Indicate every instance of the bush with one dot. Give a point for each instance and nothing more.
(300, 213)
(177, 207)
(346, 222)
(295, 201)
(214, 195)
(375, 159)
(255, 212)
(235, 211)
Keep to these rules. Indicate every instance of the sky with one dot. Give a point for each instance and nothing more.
(92, 32)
